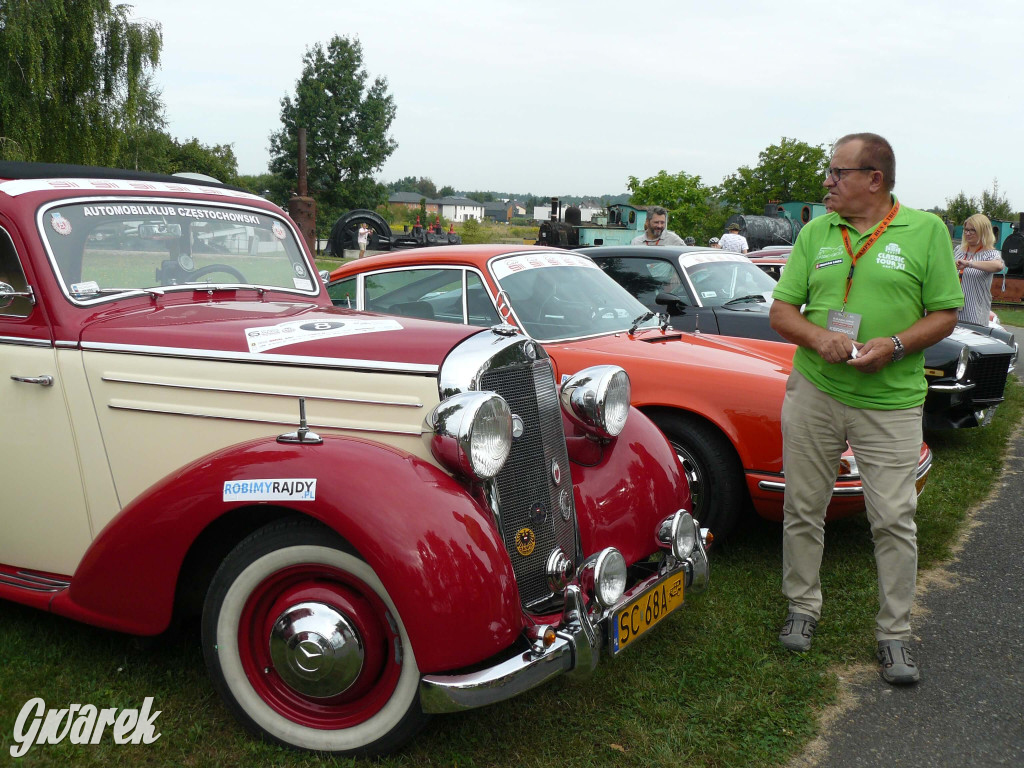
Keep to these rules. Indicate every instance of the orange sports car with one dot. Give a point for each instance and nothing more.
(717, 399)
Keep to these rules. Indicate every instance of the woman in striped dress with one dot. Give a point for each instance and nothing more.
(977, 259)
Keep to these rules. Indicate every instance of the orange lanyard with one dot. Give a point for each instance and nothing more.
(864, 248)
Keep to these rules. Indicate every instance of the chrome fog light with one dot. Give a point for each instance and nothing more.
(961, 363)
(684, 535)
(597, 399)
(609, 577)
(472, 434)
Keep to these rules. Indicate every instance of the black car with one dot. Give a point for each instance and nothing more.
(708, 290)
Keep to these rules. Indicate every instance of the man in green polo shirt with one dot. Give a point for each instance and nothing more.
(879, 285)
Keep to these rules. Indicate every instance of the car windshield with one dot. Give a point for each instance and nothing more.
(721, 282)
(103, 249)
(564, 296)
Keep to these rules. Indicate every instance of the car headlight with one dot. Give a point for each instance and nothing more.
(597, 399)
(609, 577)
(961, 363)
(684, 535)
(472, 434)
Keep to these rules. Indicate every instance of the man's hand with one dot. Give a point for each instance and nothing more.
(834, 347)
(874, 355)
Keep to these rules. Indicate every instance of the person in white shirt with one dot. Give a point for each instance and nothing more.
(732, 240)
(363, 237)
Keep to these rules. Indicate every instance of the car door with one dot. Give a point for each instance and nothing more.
(44, 516)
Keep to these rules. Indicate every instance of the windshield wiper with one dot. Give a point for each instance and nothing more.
(154, 292)
(642, 319)
(748, 297)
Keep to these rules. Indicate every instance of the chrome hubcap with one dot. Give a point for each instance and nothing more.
(694, 477)
(316, 650)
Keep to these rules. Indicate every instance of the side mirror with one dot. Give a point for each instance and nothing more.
(671, 301)
(325, 276)
(8, 295)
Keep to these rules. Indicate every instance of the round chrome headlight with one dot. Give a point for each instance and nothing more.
(609, 577)
(961, 363)
(597, 399)
(472, 434)
(684, 535)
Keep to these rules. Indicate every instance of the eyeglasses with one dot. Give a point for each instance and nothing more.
(969, 231)
(836, 174)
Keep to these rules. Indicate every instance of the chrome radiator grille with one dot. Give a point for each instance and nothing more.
(536, 513)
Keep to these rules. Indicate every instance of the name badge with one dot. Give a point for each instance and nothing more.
(846, 323)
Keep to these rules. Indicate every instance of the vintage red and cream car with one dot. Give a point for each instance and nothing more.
(717, 399)
(377, 518)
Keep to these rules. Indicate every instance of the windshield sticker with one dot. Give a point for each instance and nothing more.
(60, 225)
(85, 288)
(300, 270)
(282, 489)
(302, 285)
(708, 294)
(297, 331)
(705, 258)
(278, 230)
(506, 267)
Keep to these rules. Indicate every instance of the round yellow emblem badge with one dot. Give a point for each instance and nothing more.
(526, 540)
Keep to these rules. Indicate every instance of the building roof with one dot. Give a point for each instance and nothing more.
(408, 197)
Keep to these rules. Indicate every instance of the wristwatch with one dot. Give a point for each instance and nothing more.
(898, 351)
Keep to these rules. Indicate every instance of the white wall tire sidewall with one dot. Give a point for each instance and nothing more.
(356, 737)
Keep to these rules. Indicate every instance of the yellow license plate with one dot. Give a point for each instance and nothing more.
(647, 609)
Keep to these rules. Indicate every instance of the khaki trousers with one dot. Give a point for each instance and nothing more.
(887, 446)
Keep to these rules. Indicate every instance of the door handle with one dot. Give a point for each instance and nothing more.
(44, 380)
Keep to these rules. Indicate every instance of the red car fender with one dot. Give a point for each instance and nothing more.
(631, 484)
(434, 548)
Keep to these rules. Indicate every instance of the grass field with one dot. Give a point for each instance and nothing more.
(709, 687)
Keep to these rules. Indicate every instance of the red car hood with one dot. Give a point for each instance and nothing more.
(711, 351)
(276, 328)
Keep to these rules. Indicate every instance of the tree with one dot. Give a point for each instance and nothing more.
(346, 121)
(996, 206)
(991, 203)
(446, 191)
(422, 185)
(74, 79)
(688, 201)
(960, 207)
(790, 170)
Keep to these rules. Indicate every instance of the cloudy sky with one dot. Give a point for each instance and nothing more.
(559, 97)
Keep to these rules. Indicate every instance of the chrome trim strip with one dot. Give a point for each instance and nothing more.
(951, 387)
(291, 395)
(23, 342)
(33, 582)
(253, 357)
(162, 412)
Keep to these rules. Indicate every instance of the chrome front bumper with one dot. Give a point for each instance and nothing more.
(576, 648)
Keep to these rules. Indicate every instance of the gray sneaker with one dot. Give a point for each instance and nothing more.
(898, 666)
(798, 631)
